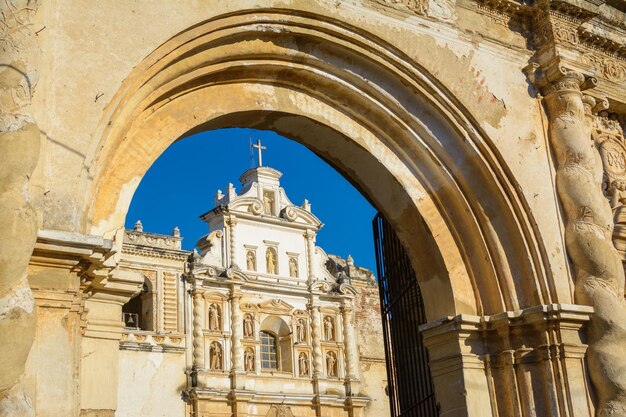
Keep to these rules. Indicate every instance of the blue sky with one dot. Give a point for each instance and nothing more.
(181, 185)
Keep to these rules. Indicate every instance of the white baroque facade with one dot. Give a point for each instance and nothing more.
(259, 322)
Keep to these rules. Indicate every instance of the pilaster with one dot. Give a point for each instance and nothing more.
(524, 363)
(352, 371)
(236, 348)
(309, 235)
(232, 237)
(199, 310)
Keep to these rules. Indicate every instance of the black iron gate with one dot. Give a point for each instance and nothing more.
(411, 392)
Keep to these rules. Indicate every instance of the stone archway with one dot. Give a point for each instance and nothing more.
(388, 126)
(412, 109)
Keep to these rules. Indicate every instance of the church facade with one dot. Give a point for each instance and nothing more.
(259, 322)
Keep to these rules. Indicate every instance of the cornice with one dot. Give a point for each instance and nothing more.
(154, 252)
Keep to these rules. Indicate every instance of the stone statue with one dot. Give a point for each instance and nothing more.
(300, 330)
(251, 261)
(248, 325)
(303, 363)
(268, 203)
(293, 267)
(270, 259)
(214, 317)
(331, 364)
(249, 360)
(216, 356)
(329, 331)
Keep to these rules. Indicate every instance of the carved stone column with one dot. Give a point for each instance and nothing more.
(236, 326)
(316, 340)
(233, 242)
(198, 325)
(599, 277)
(19, 147)
(310, 254)
(352, 356)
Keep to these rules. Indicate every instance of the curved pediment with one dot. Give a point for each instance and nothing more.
(295, 213)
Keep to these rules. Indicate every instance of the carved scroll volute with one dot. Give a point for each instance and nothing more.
(598, 272)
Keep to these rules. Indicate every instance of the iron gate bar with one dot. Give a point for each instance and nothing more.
(410, 386)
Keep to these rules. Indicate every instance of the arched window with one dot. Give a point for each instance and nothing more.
(269, 351)
(276, 345)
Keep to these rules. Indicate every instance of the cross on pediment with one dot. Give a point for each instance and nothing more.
(261, 148)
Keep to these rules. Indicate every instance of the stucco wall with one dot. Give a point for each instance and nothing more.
(151, 384)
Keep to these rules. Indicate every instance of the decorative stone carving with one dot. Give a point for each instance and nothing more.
(301, 330)
(138, 237)
(289, 213)
(249, 360)
(215, 317)
(198, 324)
(352, 357)
(268, 203)
(271, 263)
(589, 224)
(303, 364)
(293, 267)
(216, 356)
(331, 364)
(248, 325)
(316, 336)
(233, 242)
(279, 411)
(611, 68)
(251, 261)
(419, 7)
(256, 207)
(329, 328)
(236, 349)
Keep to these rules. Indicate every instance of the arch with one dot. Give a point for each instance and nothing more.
(386, 124)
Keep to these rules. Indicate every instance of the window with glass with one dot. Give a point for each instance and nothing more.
(269, 358)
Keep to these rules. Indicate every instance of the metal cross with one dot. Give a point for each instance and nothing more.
(260, 148)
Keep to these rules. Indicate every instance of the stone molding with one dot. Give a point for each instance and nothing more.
(176, 255)
(495, 352)
(153, 342)
(152, 240)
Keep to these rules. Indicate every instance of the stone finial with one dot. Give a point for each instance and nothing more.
(306, 205)
(350, 260)
(138, 226)
(232, 194)
(218, 196)
(176, 232)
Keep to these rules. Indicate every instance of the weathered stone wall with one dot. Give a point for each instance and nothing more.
(151, 384)
(424, 105)
(372, 350)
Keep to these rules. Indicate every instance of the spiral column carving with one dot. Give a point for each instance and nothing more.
(316, 340)
(198, 335)
(598, 272)
(310, 254)
(349, 341)
(233, 243)
(236, 349)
